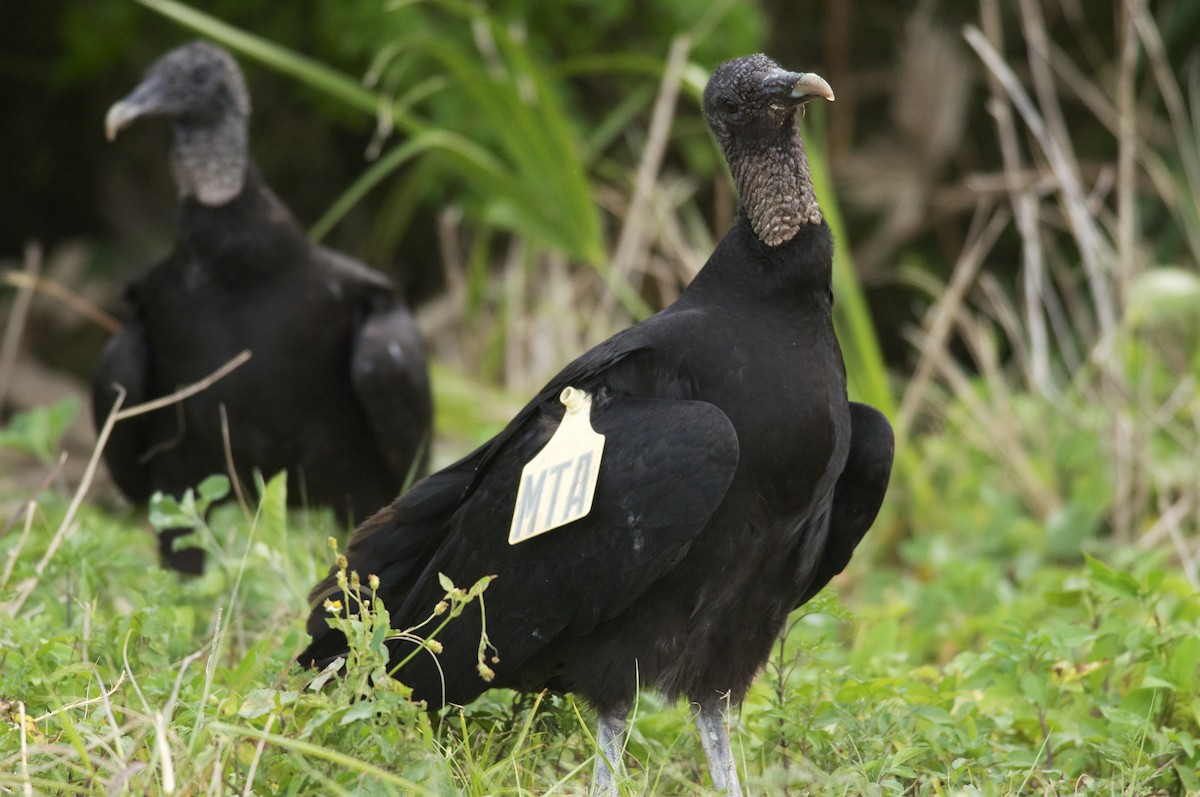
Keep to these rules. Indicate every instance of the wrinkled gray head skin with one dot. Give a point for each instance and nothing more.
(750, 104)
(200, 89)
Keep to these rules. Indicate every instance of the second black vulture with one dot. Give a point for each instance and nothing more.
(336, 391)
(734, 479)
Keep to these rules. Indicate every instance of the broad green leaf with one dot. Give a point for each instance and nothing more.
(214, 488)
(1184, 660)
(1115, 581)
(272, 506)
(39, 430)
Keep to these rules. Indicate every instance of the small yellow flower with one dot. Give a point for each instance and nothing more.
(332, 605)
(433, 645)
(332, 543)
(486, 672)
(373, 582)
(441, 607)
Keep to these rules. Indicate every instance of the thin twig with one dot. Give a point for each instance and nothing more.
(65, 295)
(1091, 245)
(15, 553)
(1168, 518)
(184, 392)
(209, 671)
(1025, 210)
(227, 444)
(42, 486)
(258, 751)
(89, 473)
(26, 588)
(1127, 145)
(941, 323)
(631, 242)
(16, 321)
(100, 698)
(27, 786)
(164, 752)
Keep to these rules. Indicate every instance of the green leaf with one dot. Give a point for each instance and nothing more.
(168, 513)
(1184, 660)
(361, 710)
(378, 643)
(1064, 598)
(264, 701)
(1114, 581)
(214, 488)
(272, 507)
(1036, 688)
(1154, 682)
(1163, 295)
(1187, 777)
(908, 754)
(38, 431)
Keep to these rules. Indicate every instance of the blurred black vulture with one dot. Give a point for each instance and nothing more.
(336, 391)
(734, 480)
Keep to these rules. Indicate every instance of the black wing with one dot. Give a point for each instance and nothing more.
(665, 469)
(389, 368)
(395, 543)
(124, 361)
(391, 381)
(858, 493)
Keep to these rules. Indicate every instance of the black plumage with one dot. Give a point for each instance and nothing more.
(336, 390)
(736, 477)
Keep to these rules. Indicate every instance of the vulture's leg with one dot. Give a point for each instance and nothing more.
(711, 724)
(608, 763)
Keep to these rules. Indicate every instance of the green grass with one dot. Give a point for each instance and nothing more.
(958, 672)
(1023, 620)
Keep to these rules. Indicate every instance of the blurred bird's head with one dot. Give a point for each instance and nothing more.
(196, 85)
(200, 89)
(753, 97)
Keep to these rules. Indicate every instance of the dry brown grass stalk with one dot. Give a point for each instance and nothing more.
(56, 290)
(67, 524)
(20, 311)
(632, 243)
(940, 320)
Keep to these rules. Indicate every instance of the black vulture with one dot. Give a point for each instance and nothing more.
(734, 480)
(337, 388)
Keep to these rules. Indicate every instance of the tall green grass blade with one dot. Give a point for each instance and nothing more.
(306, 70)
(865, 371)
(316, 751)
(866, 374)
(471, 158)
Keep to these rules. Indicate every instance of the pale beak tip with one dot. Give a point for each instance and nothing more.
(811, 85)
(116, 118)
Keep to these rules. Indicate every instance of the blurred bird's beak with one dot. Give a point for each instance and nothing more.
(143, 100)
(120, 114)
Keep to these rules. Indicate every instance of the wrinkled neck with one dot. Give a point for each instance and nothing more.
(209, 163)
(776, 188)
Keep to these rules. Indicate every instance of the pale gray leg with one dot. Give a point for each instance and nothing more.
(711, 724)
(609, 735)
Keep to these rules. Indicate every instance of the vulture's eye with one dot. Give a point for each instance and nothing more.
(729, 105)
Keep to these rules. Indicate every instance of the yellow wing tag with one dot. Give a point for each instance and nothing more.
(558, 484)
